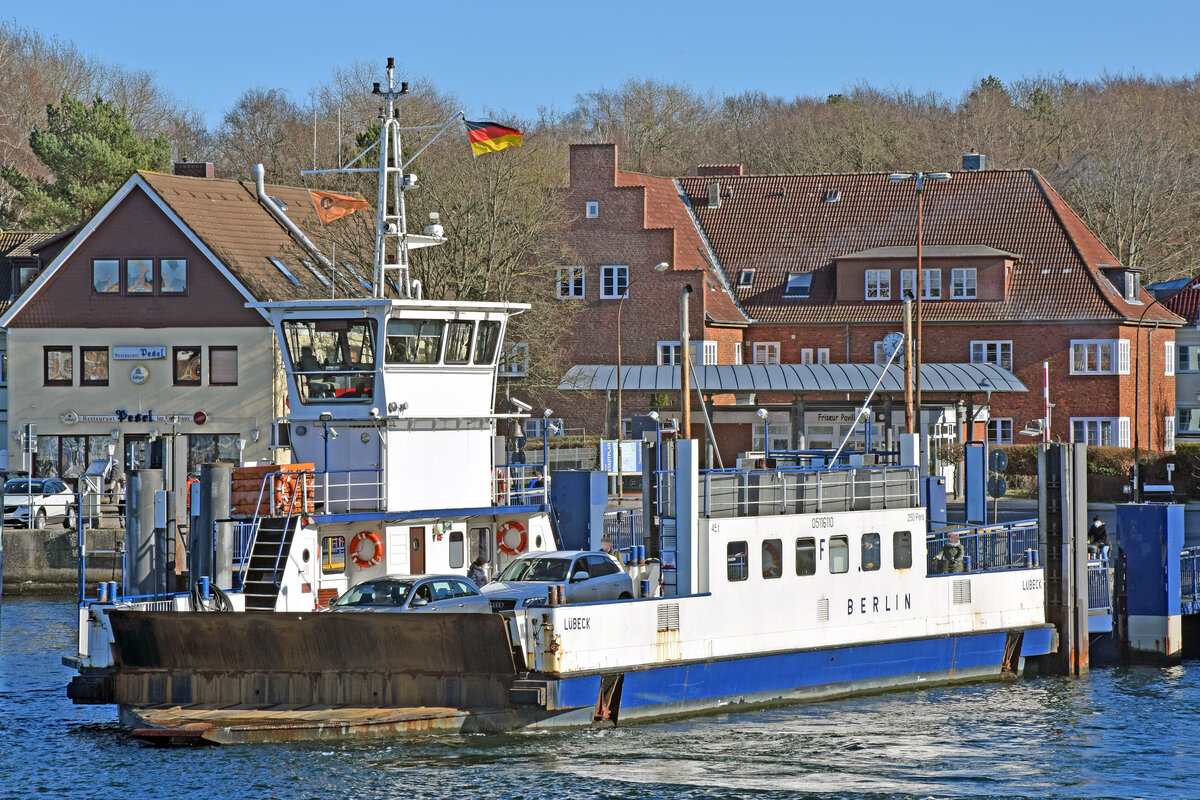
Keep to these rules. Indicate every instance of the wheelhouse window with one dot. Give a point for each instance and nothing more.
(902, 549)
(737, 568)
(172, 276)
(414, 341)
(95, 366)
(486, 339)
(333, 554)
(187, 366)
(458, 342)
(139, 276)
(332, 360)
(222, 366)
(772, 558)
(806, 556)
(58, 366)
(839, 554)
(869, 552)
(106, 276)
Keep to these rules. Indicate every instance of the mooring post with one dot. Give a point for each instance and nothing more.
(1150, 538)
(1062, 517)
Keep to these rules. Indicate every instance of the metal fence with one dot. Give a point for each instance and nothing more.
(1012, 545)
(624, 527)
(1099, 585)
(1189, 574)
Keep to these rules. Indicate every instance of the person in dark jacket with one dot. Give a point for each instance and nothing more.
(477, 573)
(1097, 536)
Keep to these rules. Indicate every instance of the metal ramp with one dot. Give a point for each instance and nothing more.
(268, 557)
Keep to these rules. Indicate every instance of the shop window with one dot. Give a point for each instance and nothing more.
(58, 366)
(839, 554)
(333, 554)
(187, 366)
(94, 361)
(206, 448)
(222, 366)
(737, 568)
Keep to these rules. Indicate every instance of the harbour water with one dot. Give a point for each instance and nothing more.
(1120, 732)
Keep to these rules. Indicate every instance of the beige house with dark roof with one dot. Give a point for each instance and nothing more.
(139, 330)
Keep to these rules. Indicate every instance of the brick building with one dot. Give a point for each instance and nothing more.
(812, 268)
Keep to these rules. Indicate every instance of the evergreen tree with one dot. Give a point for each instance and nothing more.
(89, 151)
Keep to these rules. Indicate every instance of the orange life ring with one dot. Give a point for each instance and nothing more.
(512, 526)
(500, 483)
(356, 546)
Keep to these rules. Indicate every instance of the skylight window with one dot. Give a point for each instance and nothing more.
(799, 284)
(746, 277)
(287, 273)
(316, 272)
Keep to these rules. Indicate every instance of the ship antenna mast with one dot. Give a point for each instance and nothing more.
(391, 229)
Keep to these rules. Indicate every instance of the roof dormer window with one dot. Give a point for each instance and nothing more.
(799, 284)
(1127, 281)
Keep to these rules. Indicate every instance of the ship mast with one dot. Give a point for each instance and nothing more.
(391, 229)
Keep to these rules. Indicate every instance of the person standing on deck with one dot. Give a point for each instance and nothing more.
(477, 573)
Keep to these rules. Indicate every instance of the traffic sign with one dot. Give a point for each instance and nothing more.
(997, 486)
(998, 461)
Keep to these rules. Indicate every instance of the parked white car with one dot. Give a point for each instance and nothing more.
(585, 577)
(36, 502)
(450, 594)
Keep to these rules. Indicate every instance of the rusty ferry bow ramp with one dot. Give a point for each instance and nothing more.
(250, 677)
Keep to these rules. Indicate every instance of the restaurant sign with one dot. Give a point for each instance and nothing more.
(138, 353)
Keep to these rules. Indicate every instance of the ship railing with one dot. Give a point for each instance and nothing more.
(1189, 574)
(350, 490)
(624, 527)
(1099, 577)
(520, 485)
(803, 490)
(1010, 545)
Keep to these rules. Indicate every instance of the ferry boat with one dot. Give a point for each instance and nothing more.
(802, 577)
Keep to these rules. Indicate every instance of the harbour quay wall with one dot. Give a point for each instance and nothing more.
(47, 561)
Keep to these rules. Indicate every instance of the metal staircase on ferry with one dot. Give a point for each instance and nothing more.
(268, 557)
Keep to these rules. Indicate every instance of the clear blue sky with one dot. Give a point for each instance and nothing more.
(513, 57)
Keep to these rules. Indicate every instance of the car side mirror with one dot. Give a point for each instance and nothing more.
(579, 576)
(417, 602)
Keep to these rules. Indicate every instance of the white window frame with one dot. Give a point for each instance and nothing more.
(1094, 350)
(931, 283)
(670, 349)
(766, 352)
(992, 351)
(1187, 358)
(1189, 419)
(822, 355)
(737, 353)
(614, 281)
(999, 430)
(514, 361)
(964, 283)
(1169, 358)
(781, 436)
(1169, 433)
(1095, 428)
(878, 284)
(807, 356)
(592, 209)
(799, 284)
(573, 279)
(710, 353)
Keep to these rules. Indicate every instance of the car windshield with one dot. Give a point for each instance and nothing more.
(536, 569)
(376, 593)
(22, 486)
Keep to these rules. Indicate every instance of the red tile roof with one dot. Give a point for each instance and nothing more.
(665, 208)
(782, 223)
(1185, 301)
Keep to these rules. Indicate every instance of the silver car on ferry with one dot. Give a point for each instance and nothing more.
(585, 577)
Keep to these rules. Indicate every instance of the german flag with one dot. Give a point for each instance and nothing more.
(488, 137)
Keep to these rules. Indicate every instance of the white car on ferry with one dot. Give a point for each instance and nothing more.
(584, 577)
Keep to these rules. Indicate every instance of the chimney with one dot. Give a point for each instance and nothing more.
(194, 169)
(719, 171)
(974, 160)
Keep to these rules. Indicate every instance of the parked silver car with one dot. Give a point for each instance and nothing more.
(585, 577)
(450, 594)
(35, 502)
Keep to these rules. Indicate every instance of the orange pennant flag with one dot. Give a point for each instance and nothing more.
(332, 206)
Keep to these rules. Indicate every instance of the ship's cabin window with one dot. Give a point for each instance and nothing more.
(806, 556)
(870, 552)
(414, 341)
(481, 541)
(333, 554)
(902, 550)
(772, 558)
(486, 341)
(735, 554)
(839, 554)
(458, 342)
(332, 360)
(456, 550)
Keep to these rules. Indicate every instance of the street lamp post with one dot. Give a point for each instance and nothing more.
(900, 177)
(662, 266)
